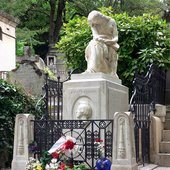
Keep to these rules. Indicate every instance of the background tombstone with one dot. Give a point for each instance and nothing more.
(29, 74)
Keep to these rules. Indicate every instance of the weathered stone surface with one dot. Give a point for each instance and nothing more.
(123, 156)
(30, 76)
(100, 53)
(23, 136)
(156, 136)
(104, 94)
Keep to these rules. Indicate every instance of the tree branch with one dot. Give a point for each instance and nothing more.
(77, 13)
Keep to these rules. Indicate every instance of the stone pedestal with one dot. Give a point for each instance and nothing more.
(22, 137)
(123, 156)
(93, 96)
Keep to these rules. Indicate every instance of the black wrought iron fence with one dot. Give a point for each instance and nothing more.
(147, 91)
(47, 132)
(53, 97)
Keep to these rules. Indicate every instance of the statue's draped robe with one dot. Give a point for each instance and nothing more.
(100, 57)
(100, 53)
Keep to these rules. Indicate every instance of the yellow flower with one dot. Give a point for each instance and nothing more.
(39, 167)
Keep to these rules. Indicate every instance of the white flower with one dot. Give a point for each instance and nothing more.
(32, 164)
(54, 166)
(53, 160)
(47, 166)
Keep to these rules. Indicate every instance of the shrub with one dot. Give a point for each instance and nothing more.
(143, 40)
(12, 102)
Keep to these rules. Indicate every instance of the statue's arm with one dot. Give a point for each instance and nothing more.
(114, 34)
(109, 41)
(106, 41)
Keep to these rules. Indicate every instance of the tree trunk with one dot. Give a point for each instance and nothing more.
(59, 19)
(52, 21)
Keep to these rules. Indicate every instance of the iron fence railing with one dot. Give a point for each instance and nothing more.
(86, 132)
(53, 97)
(147, 91)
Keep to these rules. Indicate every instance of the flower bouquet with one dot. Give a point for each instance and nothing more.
(102, 163)
(54, 158)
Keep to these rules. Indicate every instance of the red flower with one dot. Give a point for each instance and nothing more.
(98, 140)
(55, 155)
(62, 166)
(69, 144)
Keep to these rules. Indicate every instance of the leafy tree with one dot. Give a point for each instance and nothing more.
(142, 40)
(82, 8)
(133, 7)
(74, 42)
(41, 21)
(12, 101)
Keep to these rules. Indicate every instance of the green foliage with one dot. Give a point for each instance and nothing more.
(50, 74)
(12, 102)
(34, 15)
(46, 158)
(133, 7)
(20, 48)
(84, 7)
(143, 40)
(73, 43)
(34, 20)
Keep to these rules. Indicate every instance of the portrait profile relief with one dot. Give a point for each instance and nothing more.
(83, 111)
(100, 54)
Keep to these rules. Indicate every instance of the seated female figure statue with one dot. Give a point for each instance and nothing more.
(100, 53)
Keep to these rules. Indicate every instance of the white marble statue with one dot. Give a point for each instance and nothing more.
(100, 53)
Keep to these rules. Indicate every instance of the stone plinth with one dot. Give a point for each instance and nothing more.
(22, 137)
(94, 96)
(123, 156)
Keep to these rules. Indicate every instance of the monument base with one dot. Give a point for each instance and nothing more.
(19, 164)
(93, 96)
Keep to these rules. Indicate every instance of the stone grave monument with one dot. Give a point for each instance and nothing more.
(97, 93)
